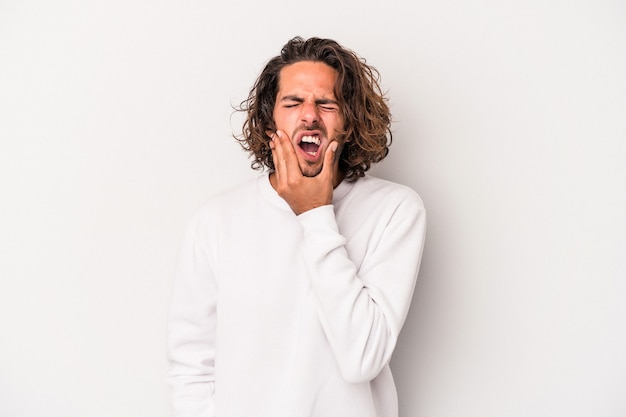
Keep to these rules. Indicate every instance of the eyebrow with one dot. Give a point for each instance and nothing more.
(318, 101)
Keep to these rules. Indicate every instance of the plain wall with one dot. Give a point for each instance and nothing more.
(116, 123)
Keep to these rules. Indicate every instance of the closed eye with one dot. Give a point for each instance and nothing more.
(323, 104)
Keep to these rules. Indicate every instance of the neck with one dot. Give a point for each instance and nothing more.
(337, 178)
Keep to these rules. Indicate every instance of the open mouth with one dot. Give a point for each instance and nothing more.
(310, 144)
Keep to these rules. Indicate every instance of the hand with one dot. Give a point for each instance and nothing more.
(300, 192)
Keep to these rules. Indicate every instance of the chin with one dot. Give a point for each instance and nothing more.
(309, 171)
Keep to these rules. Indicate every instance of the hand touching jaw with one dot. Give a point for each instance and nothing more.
(301, 191)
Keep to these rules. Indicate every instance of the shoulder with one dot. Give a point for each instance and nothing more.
(374, 189)
(374, 201)
(224, 202)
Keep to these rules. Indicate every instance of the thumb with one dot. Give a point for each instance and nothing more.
(329, 158)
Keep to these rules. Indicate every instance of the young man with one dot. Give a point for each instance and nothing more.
(292, 288)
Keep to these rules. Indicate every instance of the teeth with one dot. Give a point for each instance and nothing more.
(311, 139)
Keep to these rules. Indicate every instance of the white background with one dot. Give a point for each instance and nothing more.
(510, 121)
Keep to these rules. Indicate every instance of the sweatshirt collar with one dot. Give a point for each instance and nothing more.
(269, 193)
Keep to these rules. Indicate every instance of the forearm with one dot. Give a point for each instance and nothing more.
(362, 309)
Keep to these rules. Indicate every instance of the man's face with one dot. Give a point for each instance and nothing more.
(307, 110)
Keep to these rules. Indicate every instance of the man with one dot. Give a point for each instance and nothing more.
(292, 288)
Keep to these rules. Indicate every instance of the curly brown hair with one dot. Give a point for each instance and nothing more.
(367, 116)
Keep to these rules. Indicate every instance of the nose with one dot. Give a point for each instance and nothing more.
(310, 113)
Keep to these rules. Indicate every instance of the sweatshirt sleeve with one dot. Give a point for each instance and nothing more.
(362, 309)
(191, 330)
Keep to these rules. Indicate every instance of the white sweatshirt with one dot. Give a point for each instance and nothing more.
(278, 315)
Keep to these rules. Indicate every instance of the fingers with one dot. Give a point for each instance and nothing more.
(278, 152)
(284, 155)
(329, 161)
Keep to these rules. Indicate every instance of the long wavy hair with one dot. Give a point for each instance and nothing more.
(365, 110)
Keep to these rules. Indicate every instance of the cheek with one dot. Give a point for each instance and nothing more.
(334, 124)
(281, 120)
